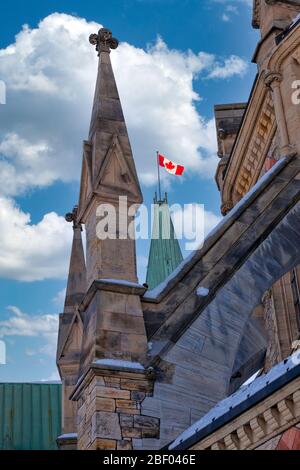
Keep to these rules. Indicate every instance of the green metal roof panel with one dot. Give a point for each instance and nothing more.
(30, 416)
(165, 253)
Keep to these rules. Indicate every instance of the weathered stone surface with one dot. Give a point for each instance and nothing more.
(142, 422)
(105, 404)
(103, 444)
(126, 420)
(137, 385)
(149, 426)
(105, 425)
(130, 404)
(131, 432)
(113, 382)
(109, 392)
(124, 445)
(138, 396)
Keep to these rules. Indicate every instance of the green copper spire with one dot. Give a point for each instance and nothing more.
(165, 254)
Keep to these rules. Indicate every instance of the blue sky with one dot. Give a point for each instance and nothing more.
(188, 48)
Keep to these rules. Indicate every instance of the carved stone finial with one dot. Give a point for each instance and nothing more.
(72, 217)
(103, 41)
(272, 79)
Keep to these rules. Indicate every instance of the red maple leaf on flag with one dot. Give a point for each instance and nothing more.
(170, 166)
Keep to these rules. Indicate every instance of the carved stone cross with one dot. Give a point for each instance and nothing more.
(103, 41)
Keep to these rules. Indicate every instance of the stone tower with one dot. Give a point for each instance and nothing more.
(165, 254)
(272, 17)
(113, 380)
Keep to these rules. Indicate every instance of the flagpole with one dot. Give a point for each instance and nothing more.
(158, 175)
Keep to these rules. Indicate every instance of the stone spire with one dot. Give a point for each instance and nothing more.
(76, 286)
(114, 340)
(108, 172)
(165, 254)
(76, 289)
(70, 333)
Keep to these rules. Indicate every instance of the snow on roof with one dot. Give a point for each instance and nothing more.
(121, 282)
(70, 435)
(119, 363)
(202, 291)
(242, 395)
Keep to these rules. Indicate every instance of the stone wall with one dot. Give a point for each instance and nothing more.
(109, 410)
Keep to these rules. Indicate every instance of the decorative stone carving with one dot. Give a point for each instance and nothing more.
(273, 79)
(296, 56)
(257, 148)
(72, 217)
(103, 41)
(226, 207)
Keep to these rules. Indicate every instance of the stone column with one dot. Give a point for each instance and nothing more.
(109, 401)
(273, 81)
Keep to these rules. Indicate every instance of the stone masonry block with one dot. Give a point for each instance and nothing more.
(136, 385)
(148, 425)
(138, 396)
(105, 425)
(103, 444)
(129, 404)
(113, 382)
(131, 432)
(104, 404)
(126, 420)
(124, 445)
(109, 392)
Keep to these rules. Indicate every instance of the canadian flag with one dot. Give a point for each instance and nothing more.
(170, 166)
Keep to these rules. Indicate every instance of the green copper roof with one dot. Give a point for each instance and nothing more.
(30, 416)
(165, 254)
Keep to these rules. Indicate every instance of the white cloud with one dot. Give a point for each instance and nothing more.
(50, 73)
(225, 17)
(42, 326)
(59, 299)
(234, 65)
(232, 9)
(32, 251)
(193, 223)
(25, 165)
